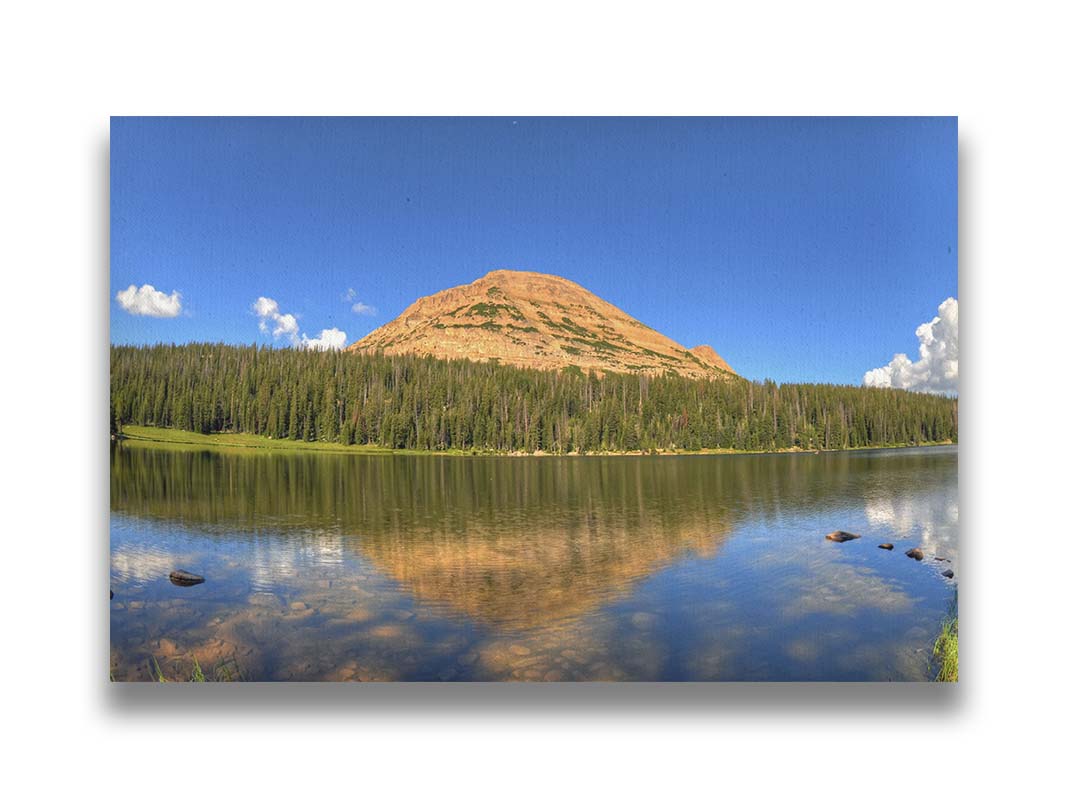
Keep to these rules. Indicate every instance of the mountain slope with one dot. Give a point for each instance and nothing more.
(529, 319)
(707, 354)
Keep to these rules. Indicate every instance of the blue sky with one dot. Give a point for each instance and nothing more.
(801, 249)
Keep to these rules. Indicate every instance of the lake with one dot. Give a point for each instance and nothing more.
(327, 567)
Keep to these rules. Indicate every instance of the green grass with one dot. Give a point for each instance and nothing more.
(170, 438)
(146, 436)
(947, 649)
(493, 309)
(227, 671)
(488, 325)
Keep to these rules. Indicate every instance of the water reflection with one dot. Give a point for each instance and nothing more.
(931, 517)
(404, 567)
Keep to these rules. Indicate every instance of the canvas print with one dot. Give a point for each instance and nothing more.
(533, 399)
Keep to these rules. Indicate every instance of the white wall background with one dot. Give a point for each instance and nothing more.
(67, 67)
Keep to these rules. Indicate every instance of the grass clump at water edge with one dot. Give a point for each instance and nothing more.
(227, 671)
(947, 648)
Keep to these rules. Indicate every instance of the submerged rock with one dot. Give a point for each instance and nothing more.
(915, 553)
(264, 600)
(886, 546)
(949, 573)
(112, 594)
(180, 577)
(939, 558)
(842, 536)
(643, 620)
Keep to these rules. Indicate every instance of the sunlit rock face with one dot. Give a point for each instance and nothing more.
(529, 319)
(708, 354)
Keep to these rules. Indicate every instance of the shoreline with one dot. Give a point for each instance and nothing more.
(172, 437)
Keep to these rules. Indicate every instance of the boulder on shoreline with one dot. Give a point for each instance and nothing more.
(915, 553)
(842, 536)
(180, 577)
(886, 546)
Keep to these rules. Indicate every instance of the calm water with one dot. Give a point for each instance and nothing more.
(346, 567)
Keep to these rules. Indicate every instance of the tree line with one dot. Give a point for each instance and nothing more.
(413, 402)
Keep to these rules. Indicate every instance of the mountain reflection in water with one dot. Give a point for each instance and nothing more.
(323, 566)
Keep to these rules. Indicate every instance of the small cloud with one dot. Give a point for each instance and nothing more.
(329, 339)
(271, 318)
(285, 325)
(265, 309)
(937, 369)
(359, 307)
(149, 301)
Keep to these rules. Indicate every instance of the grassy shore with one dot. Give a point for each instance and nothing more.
(164, 437)
(947, 648)
(242, 441)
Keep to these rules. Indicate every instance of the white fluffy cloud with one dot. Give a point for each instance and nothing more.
(265, 308)
(271, 319)
(329, 339)
(937, 369)
(149, 301)
(279, 325)
(358, 306)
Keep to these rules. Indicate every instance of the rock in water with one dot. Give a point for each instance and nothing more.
(182, 578)
(949, 573)
(842, 536)
(886, 546)
(915, 553)
(112, 594)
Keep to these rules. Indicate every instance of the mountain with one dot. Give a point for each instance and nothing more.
(707, 354)
(529, 319)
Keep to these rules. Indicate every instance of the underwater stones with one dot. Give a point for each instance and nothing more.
(842, 536)
(180, 577)
(644, 621)
(264, 600)
(915, 553)
(949, 574)
(359, 614)
(886, 546)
